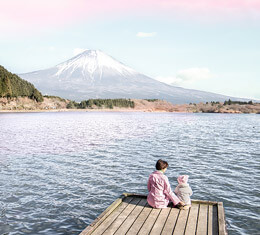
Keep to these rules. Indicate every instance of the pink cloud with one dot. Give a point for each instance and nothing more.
(33, 15)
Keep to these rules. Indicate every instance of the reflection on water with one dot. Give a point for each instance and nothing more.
(58, 171)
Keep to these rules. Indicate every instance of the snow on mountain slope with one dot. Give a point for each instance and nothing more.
(93, 74)
(91, 61)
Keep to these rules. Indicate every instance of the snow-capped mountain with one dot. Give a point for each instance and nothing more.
(93, 74)
(90, 66)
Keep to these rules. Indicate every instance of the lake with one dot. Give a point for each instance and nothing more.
(59, 171)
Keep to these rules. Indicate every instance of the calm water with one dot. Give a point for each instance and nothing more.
(58, 171)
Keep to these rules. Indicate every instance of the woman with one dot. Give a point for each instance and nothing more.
(160, 193)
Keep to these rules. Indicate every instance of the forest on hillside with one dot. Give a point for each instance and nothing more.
(13, 86)
(99, 103)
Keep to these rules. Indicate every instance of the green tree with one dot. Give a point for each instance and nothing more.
(13, 86)
(36, 95)
(83, 104)
(72, 105)
(6, 90)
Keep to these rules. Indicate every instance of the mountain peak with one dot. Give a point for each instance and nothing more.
(90, 61)
(89, 53)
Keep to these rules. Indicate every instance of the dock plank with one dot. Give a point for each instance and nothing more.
(140, 220)
(159, 223)
(192, 220)
(121, 217)
(221, 219)
(131, 218)
(148, 224)
(210, 220)
(215, 220)
(181, 222)
(109, 219)
(171, 221)
(202, 226)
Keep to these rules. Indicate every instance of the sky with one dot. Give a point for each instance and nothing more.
(209, 45)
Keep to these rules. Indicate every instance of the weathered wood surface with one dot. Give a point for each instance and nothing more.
(202, 227)
(131, 218)
(192, 220)
(221, 218)
(161, 219)
(171, 221)
(140, 220)
(130, 214)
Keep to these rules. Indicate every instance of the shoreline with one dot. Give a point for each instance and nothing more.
(88, 110)
(109, 110)
(54, 104)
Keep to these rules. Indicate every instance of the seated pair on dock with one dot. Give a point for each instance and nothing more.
(160, 193)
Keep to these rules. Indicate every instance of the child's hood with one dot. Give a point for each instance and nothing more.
(183, 179)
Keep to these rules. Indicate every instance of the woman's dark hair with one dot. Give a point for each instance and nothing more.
(160, 164)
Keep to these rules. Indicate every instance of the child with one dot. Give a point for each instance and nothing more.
(183, 191)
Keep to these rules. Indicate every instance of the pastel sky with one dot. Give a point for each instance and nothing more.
(210, 45)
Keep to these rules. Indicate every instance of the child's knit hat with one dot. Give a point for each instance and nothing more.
(183, 179)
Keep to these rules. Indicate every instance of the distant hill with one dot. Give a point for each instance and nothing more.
(95, 75)
(13, 86)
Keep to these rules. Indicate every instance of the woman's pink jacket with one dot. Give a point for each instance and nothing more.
(160, 192)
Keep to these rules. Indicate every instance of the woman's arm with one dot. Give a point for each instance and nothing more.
(176, 190)
(169, 193)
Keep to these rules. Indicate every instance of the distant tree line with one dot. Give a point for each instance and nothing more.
(213, 103)
(229, 102)
(101, 103)
(151, 100)
(13, 86)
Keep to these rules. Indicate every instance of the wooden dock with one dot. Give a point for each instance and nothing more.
(130, 214)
